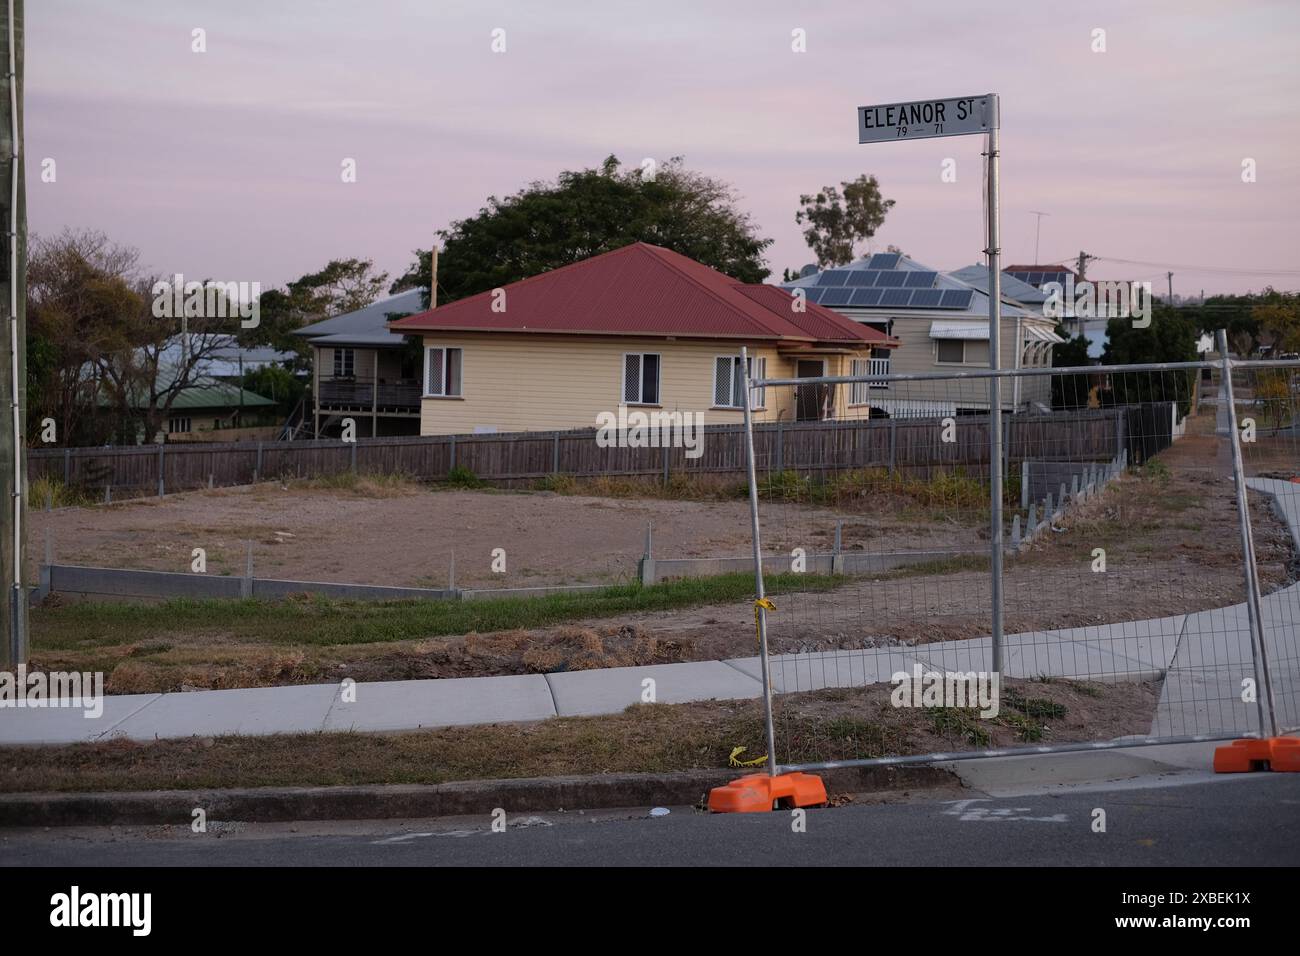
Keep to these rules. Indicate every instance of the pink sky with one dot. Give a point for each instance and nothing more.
(226, 164)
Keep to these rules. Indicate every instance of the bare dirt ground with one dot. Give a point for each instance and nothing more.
(1169, 533)
(406, 535)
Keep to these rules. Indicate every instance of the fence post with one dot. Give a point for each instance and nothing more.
(246, 583)
(257, 469)
(47, 574)
(665, 451)
(67, 467)
(451, 460)
(780, 447)
(1267, 716)
(648, 559)
(161, 486)
(1015, 532)
(893, 445)
(555, 454)
(1024, 483)
(760, 602)
(1006, 443)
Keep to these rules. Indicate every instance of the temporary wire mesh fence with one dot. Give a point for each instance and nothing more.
(1124, 586)
(1267, 417)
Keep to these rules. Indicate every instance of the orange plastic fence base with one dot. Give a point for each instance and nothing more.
(1281, 754)
(758, 792)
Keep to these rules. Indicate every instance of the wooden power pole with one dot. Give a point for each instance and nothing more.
(13, 359)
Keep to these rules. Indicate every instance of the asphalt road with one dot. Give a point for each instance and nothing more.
(1238, 820)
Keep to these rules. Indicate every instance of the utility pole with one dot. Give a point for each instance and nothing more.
(13, 364)
(1170, 277)
(1038, 229)
(1082, 267)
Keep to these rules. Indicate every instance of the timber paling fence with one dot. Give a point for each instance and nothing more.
(910, 446)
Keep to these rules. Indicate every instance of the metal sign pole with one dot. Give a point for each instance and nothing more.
(964, 116)
(995, 396)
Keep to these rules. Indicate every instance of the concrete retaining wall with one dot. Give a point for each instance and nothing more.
(120, 582)
(655, 570)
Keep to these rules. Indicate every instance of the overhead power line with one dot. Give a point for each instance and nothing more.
(1183, 267)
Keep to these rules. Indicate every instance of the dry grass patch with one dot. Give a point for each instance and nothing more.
(838, 724)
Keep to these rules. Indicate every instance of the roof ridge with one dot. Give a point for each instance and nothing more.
(731, 282)
(525, 280)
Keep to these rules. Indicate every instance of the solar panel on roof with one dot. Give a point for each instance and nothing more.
(1036, 278)
(833, 297)
(884, 260)
(896, 297)
(865, 297)
(926, 298)
(920, 280)
(956, 299)
(833, 277)
(1022, 276)
(861, 277)
(814, 294)
(892, 279)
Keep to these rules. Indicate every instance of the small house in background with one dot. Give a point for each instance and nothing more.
(641, 327)
(941, 324)
(212, 406)
(215, 410)
(363, 371)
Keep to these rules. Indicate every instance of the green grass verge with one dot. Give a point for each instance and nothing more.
(320, 621)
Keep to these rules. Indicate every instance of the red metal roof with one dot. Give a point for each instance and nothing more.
(642, 289)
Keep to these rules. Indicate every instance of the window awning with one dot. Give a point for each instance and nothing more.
(959, 330)
(1042, 335)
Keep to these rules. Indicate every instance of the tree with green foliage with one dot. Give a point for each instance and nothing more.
(343, 285)
(83, 291)
(276, 383)
(1278, 316)
(584, 213)
(1070, 391)
(1170, 337)
(837, 221)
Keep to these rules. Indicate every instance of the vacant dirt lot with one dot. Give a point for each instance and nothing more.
(1169, 532)
(406, 535)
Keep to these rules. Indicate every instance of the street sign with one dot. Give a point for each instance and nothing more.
(927, 119)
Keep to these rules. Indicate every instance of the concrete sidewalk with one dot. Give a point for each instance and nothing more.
(1204, 656)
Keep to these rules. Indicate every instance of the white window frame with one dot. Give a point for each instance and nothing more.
(757, 367)
(659, 380)
(446, 351)
(348, 368)
(175, 421)
(964, 361)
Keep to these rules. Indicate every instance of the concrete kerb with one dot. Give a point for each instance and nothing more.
(418, 801)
